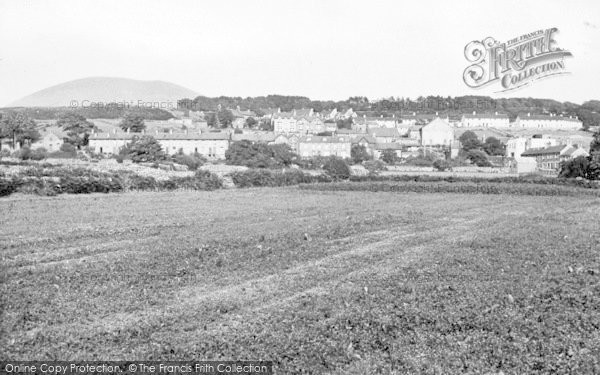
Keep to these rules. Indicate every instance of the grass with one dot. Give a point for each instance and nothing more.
(317, 281)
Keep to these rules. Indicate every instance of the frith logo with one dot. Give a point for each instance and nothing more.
(515, 63)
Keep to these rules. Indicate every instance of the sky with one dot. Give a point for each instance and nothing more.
(323, 49)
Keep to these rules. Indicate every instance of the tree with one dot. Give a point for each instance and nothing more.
(344, 123)
(359, 154)
(283, 154)
(251, 122)
(595, 145)
(253, 155)
(225, 118)
(389, 156)
(469, 141)
(133, 123)
(479, 158)
(493, 146)
(577, 167)
(78, 129)
(337, 168)
(19, 128)
(212, 121)
(145, 149)
(265, 124)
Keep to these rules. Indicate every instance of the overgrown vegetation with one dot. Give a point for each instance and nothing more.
(259, 155)
(60, 180)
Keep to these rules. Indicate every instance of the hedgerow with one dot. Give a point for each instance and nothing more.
(42, 181)
(457, 187)
(265, 177)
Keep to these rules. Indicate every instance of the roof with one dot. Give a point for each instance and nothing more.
(486, 115)
(240, 113)
(254, 137)
(384, 132)
(388, 146)
(544, 151)
(438, 121)
(162, 136)
(529, 117)
(324, 139)
(365, 137)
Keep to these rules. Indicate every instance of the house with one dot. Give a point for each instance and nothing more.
(352, 133)
(384, 135)
(240, 117)
(551, 121)
(255, 137)
(415, 132)
(51, 139)
(311, 145)
(437, 133)
(290, 140)
(484, 133)
(380, 148)
(420, 119)
(515, 147)
(548, 159)
(485, 120)
(366, 141)
(211, 145)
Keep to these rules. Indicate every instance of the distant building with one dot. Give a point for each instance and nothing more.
(311, 146)
(554, 122)
(51, 139)
(515, 147)
(384, 135)
(210, 145)
(437, 133)
(485, 120)
(548, 159)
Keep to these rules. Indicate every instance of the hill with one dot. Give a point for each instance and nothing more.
(106, 90)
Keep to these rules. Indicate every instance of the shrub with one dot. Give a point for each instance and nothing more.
(359, 154)
(479, 158)
(145, 149)
(193, 162)
(27, 153)
(259, 155)
(68, 147)
(337, 168)
(374, 166)
(263, 177)
(442, 165)
(389, 156)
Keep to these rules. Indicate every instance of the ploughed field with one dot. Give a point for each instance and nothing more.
(317, 281)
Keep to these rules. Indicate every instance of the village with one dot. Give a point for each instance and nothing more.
(532, 143)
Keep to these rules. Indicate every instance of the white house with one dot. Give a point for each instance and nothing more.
(310, 146)
(437, 133)
(484, 120)
(551, 121)
(515, 147)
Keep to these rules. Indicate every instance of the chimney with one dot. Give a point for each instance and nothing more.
(436, 113)
(171, 131)
(114, 131)
(238, 107)
(156, 131)
(474, 113)
(528, 114)
(128, 130)
(496, 113)
(414, 113)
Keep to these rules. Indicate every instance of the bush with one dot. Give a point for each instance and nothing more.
(337, 168)
(263, 177)
(389, 156)
(359, 154)
(442, 165)
(374, 166)
(67, 147)
(145, 149)
(27, 153)
(479, 158)
(193, 162)
(259, 155)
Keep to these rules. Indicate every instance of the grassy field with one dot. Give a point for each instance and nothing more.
(317, 281)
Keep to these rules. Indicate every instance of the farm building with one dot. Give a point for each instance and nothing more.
(210, 145)
(312, 145)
